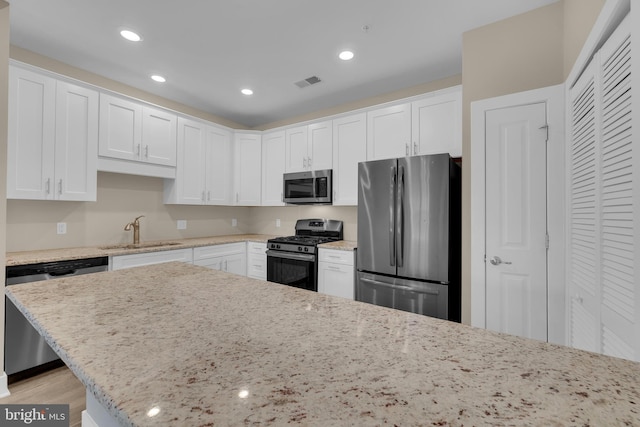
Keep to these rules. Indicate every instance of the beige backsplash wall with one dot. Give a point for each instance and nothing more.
(263, 219)
(32, 224)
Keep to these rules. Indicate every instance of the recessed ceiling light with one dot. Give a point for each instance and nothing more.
(130, 35)
(158, 78)
(247, 92)
(346, 55)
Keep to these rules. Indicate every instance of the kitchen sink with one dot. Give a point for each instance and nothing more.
(139, 245)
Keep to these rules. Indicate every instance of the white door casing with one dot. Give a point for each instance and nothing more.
(516, 221)
(553, 98)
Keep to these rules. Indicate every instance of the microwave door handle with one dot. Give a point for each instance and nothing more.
(400, 218)
(392, 218)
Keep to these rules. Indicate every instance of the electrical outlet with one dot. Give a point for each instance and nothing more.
(234, 222)
(278, 223)
(62, 228)
(182, 224)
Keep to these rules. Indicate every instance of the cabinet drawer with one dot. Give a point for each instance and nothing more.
(257, 260)
(149, 258)
(256, 248)
(335, 256)
(213, 251)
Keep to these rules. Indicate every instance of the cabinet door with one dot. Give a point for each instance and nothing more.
(336, 280)
(218, 166)
(76, 142)
(389, 132)
(190, 171)
(321, 145)
(158, 137)
(214, 263)
(31, 135)
(248, 169)
(273, 167)
(148, 258)
(349, 148)
(437, 124)
(297, 158)
(236, 264)
(120, 128)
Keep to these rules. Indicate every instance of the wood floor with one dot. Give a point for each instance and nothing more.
(55, 386)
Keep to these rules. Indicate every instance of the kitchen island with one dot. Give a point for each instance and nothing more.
(180, 345)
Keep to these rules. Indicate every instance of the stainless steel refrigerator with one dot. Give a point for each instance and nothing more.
(409, 238)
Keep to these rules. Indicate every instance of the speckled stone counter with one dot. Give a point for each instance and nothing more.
(341, 245)
(49, 255)
(205, 347)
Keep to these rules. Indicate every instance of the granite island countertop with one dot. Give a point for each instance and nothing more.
(206, 347)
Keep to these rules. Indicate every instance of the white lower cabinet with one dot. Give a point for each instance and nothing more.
(336, 275)
(257, 260)
(120, 262)
(231, 257)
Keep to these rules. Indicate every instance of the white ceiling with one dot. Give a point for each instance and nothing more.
(209, 49)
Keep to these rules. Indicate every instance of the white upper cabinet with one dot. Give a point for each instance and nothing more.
(309, 147)
(53, 136)
(349, 148)
(218, 166)
(158, 136)
(203, 172)
(389, 132)
(297, 155)
(120, 128)
(320, 145)
(248, 168)
(273, 167)
(188, 187)
(132, 131)
(437, 124)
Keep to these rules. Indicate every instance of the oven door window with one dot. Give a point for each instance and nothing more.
(293, 272)
(299, 188)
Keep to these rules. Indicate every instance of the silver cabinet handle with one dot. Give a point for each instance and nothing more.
(47, 185)
(304, 163)
(138, 150)
(309, 162)
(496, 260)
(60, 186)
(202, 196)
(208, 195)
(415, 148)
(406, 149)
(146, 151)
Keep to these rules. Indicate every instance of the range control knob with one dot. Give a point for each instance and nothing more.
(277, 246)
(299, 248)
(306, 249)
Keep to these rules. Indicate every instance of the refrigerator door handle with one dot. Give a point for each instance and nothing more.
(401, 287)
(392, 218)
(400, 218)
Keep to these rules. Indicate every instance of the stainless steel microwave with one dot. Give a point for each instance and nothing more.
(308, 188)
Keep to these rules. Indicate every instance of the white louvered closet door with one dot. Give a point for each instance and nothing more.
(604, 300)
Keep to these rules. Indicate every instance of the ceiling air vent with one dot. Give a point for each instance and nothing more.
(308, 82)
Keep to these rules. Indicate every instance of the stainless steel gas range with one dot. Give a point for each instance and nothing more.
(293, 260)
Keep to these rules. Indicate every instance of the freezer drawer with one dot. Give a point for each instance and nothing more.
(429, 299)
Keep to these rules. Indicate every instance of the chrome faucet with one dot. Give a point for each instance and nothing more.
(136, 229)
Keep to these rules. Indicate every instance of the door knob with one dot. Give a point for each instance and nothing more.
(496, 260)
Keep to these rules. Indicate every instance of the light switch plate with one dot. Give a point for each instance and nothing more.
(234, 222)
(278, 223)
(182, 224)
(62, 228)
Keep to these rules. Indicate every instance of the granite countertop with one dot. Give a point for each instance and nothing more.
(342, 245)
(211, 348)
(50, 255)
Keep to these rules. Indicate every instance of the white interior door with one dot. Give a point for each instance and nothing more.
(516, 221)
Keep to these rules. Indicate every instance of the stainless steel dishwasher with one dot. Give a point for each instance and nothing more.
(25, 351)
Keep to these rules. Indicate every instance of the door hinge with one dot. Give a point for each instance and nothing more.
(546, 129)
(546, 240)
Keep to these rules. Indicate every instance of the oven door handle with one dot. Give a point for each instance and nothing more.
(291, 255)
